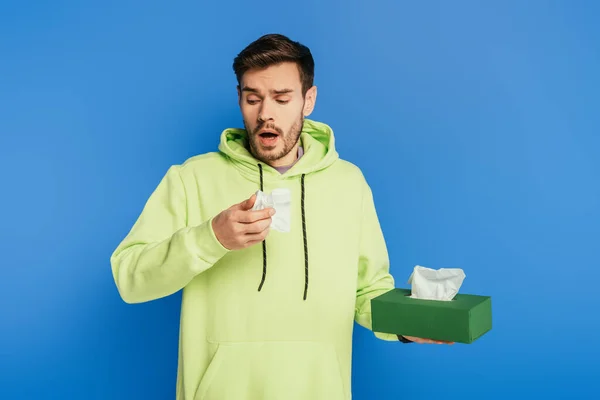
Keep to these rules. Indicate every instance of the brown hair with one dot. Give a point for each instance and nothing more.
(273, 49)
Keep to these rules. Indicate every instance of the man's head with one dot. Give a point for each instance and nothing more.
(275, 91)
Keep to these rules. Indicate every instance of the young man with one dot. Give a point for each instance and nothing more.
(267, 314)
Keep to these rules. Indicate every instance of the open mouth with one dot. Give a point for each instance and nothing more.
(268, 138)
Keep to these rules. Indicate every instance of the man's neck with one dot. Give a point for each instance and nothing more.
(299, 153)
(287, 160)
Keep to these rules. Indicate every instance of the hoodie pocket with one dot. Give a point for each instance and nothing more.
(273, 371)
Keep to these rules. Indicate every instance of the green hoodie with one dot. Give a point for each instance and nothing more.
(292, 339)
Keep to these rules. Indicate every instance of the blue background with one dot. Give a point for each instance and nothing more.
(476, 123)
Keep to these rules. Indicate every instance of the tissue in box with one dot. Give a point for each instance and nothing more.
(462, 320)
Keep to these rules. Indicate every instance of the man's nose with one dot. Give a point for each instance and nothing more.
(266, 112)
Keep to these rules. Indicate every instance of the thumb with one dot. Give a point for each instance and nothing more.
(247, 204)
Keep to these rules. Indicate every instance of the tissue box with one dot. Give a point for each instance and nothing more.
(462, 320)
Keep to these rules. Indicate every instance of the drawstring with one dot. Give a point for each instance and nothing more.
(264, 243)
(305, 241)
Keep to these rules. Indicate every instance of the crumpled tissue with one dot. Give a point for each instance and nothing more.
(279, 199)
(431, 284)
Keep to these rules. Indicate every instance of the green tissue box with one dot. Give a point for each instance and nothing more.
(462, 320)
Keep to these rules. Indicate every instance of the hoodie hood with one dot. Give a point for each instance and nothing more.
(316, 138)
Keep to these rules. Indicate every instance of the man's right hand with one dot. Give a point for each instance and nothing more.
(239, 226)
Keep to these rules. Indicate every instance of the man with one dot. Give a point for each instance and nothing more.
(266, 314)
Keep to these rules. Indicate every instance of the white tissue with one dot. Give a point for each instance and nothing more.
(431, 284)
(280, 200)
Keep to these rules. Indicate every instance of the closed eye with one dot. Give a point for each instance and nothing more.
(253, 102)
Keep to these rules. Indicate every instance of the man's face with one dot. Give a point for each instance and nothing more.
(273, 110)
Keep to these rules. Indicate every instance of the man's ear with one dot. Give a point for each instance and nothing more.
(309, 101)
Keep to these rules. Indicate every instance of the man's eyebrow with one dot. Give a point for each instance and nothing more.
(283, 91)
(278, 91)
(249, 89)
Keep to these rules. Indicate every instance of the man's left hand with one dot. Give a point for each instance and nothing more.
(426, 341)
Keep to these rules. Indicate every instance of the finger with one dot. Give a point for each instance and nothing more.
(254, 238)
(257, 227)
(247, 204)
(249, 217)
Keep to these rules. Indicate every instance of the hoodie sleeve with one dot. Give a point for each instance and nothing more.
(161, 254)
(374, 278)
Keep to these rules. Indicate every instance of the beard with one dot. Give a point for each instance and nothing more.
(289, 140)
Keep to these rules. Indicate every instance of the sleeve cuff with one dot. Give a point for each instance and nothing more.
(209, 247)
(403, 339)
